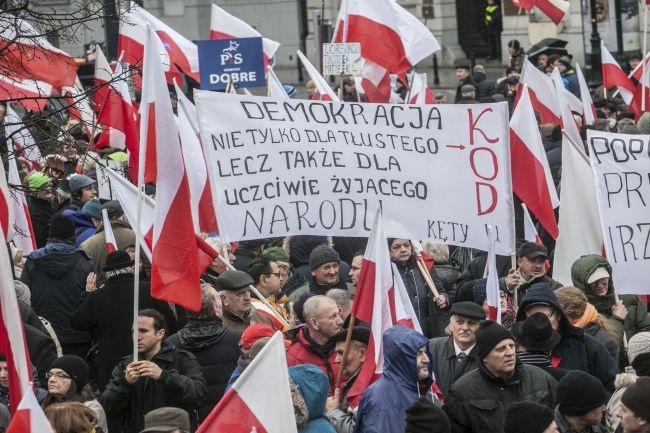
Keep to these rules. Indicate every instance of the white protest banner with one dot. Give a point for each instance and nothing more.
(287, 167)
(621, 166)
(342, 59)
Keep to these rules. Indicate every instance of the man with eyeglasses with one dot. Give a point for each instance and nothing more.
(576, 349)
(238, 311)
(268, 279)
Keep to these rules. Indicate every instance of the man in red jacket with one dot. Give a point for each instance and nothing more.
(313, 343)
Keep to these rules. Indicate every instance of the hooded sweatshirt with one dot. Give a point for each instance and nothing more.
(383, 405)
(637, 319)
(576, 350)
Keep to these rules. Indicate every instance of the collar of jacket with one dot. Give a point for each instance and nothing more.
(500, 381)
(246, 318)
(114, 224)
(451, 351)
(323, 350)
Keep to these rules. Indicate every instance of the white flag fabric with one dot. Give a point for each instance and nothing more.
(492, 284)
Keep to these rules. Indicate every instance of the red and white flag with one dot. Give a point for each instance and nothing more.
(23, 237)
(28, 54)
(29, 416)
(566, 98)
(175, 50)
(492, 283)
(542, 93)
(79, 107)
(7, 217)
(531, 176)
(22, 139)
(204, 216)
(421, 93)
(174, 266)
(276, 90)
(404, 312)
(31, 94)
(12, 335)
(553, 9)
(641, 99)
(530, 232)
(103, 78)
(390, 36)
(614, 76)
(588, 109)
(111, 243)
(226, 26)
(245, 409)
(324, 90)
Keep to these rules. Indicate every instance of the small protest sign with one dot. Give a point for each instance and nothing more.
(287, 167)
(342, 59)
(238, 60)
(621, 166)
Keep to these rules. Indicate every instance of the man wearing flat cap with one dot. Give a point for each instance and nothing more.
(167, 420)
(235, 293)
(478, 401)
(342, 406)
(456, 355)
(464, 76)
(531, 268)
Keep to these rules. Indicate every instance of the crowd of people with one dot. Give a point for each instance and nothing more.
(573, 359)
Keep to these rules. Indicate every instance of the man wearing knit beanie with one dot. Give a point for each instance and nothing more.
(635, 407)
(425, 417)
(477, 402)
(529, 417)
(582, 401)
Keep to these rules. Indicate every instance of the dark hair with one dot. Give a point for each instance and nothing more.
(260, 266)
(74, 394)
(159, 321)
(71, 417)
(514, 44)
(511, 69)
(359, 253)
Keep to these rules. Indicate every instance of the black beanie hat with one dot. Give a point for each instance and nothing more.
(117, 260)
(322, 254)
(527, 417)
(637, 396)
(75, 367)
(424, 417)
(490, 334)
(579, 392)
(62, 228)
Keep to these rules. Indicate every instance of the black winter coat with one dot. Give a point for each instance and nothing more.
(181, 385)
(42, 351)
(477, 402)
(216, 349)
(56, 275)
(108, 313)
(40, 212)
(433, 320)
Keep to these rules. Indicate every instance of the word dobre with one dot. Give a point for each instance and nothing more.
(288, 167)
(621, 166)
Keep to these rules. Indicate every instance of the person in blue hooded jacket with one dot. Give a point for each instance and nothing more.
(309, 388)
(406, 377)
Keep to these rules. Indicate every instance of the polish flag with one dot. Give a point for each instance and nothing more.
(614, 76)
(641, 103)
(226, 26)
(28, 54)
(12, 335)
(404, 312)
(204, 216)
(542, 93)
(103, 78)
(23, 237)
(324, 90)
(127, 195)
(111, 243)
(588, 109)
(79, 108)
(554, 9)
(175, 50)
(421, 254)
(579, 223)
(23, 141)
(276, 90)
(531, 176)
(524, 4)
(390, 36)
(378, 92)
(492, 283)
(174, 267)
(29, 416)
(31, 94)
(566, 98)
(244, 409)
(530, 232)
(7, 217)
(421, 93)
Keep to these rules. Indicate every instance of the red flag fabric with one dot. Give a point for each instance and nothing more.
(79, 107)
(103, 76)
(31, 94)
(226, 26)
(175, 50)
(29, 416)
(244, 409)
(531, 175)
(421, 93)
(614, 76)
(111, 243)
(203, 214)
(324, 90)
(554, 9)
(7, 217)
(524, 4)
(29, 55)
(492, 283)
(542, 93)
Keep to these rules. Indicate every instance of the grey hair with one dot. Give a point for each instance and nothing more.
(313, 306)
(340, 296)
(437, 250)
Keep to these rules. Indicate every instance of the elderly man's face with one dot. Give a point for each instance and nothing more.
(327, 273)
(238, 301)
(461, 73)
(463, 330)
(502, 359)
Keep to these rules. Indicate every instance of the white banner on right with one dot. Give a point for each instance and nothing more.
(621, 166)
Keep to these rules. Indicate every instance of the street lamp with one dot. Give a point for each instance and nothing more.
(596, 78)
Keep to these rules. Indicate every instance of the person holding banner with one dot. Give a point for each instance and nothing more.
(430, 309)
(625, 313)
(531, 269)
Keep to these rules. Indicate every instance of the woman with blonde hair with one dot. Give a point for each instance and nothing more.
(71, 417)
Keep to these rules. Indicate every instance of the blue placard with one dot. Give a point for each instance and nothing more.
(241, 59)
